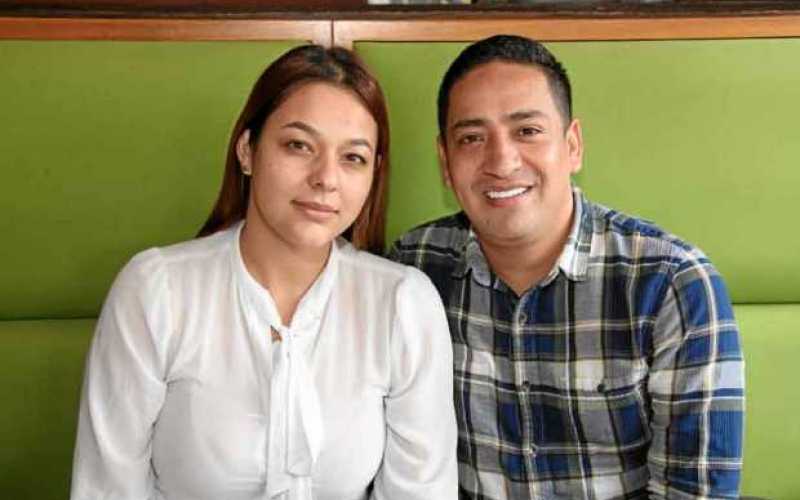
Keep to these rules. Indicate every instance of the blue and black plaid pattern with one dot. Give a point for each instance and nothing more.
(619, 376)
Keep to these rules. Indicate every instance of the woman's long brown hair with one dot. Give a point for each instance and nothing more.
(301, 65)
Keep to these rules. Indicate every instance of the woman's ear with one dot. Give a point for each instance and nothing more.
(244, 152)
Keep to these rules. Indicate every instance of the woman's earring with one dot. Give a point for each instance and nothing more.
(246, 170)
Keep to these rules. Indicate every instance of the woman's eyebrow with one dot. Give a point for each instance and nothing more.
(305, 127)
(360, 142)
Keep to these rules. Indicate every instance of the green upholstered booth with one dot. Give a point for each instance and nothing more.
(41, 368)
(698, 136)
(107, 148)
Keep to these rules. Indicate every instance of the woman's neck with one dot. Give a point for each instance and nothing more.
(286, 271)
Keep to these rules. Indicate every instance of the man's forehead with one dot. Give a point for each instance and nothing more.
(500, 91)
(499, 74)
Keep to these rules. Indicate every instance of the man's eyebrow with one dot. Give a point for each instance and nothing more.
(516, 116)
(525, 114)
(469, 122)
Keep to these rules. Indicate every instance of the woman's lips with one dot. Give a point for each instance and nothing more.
(317, 211)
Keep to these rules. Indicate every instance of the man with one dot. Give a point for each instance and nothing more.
(595, 355)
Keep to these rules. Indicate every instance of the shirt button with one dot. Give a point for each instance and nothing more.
(523, 318)
(526, 386)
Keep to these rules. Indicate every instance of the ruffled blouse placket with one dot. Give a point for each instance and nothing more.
(288, 392)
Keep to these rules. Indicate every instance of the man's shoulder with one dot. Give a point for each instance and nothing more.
(618, 225)
(444, 236)
(629, 236)
(645, 257)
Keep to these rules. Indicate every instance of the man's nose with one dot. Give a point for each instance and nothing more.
(325, 175)
(502, 158)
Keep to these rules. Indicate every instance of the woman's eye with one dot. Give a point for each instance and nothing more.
(298, 146)
(355, 158)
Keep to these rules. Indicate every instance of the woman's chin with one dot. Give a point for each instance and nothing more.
(310, 239)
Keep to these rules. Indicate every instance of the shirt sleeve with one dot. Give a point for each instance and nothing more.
(696, 387)
(419, 461)
(123, 388)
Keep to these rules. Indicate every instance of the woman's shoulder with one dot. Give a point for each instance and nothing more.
(187, 255)
(365, 263)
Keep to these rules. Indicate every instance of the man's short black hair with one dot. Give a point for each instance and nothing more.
(513, 49)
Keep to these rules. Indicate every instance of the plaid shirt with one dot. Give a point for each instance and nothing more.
(620, 375)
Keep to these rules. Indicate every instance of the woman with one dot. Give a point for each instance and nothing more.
(268, 358)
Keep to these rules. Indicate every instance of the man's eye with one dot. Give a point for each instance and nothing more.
(469, 139)
(528, 131)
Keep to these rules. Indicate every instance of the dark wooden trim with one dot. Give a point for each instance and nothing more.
(169, 8)
(346, 32)
(333, 8)
(22, 28)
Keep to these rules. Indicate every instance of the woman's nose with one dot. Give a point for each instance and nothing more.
(324, 176)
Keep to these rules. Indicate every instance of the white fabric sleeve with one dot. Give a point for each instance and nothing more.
(419, 461)
(123, 388)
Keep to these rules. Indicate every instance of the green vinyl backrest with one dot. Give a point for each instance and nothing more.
(698, 136)
(771, 343)
(108, 148)
(41, 367)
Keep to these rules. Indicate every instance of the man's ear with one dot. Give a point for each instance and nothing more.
(574, 139)
(441, 149)
(244, 152)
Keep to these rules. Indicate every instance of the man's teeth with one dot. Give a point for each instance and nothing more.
(497, 195)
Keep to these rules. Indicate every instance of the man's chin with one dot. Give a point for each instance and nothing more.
(505, 232)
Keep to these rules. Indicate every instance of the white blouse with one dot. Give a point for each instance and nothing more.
(186, 396)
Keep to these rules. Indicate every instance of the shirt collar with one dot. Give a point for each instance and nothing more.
(472, 257)
(573, 261)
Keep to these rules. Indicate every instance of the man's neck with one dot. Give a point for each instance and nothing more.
(525, 263)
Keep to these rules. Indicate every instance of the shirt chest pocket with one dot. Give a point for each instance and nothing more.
(607, 413)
